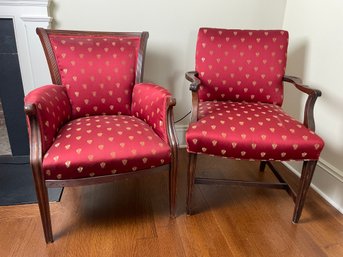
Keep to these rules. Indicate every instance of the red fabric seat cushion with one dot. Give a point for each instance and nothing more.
(104, 145)
(98, 72)
(256, 131)
(241, 65)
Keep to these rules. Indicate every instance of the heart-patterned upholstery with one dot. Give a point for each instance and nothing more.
(150, 103)
(104, 145)
(53, 110)
(241, 90)
(241, 65)
(97, 122)
(98, 72)
(237, 95)
(254, 131)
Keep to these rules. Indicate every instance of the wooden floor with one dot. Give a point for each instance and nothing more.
(130, 218)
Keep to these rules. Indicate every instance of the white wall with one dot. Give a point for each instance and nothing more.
(316, 54)
(172, 26)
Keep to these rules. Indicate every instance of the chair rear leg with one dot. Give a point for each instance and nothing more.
(305, 181)
(190, 180)
(263, 166)
(43, 203)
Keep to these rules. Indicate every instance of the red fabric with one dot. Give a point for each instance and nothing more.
(256, 131)
(241, 65)
(149, 103)
(98, 72)
(53, 110)
(103, 145)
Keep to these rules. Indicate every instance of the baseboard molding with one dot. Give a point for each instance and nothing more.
(181, 135)
(18, 159)
(327, 180)
(338, 174)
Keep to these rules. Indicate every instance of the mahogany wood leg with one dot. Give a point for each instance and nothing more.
(190, 180)
(305, 181)
(172, 186)
(263, 166)
(43, 203)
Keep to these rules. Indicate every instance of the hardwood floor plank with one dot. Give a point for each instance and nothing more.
(130, 218)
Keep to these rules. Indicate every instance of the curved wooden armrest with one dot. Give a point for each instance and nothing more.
(313, 94)
(297, 82)
(35, 137)
(192, 76)
(30, 109)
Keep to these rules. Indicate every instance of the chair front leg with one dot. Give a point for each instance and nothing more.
(43, 203)
(305, 182)
(263, 166)
(190, 179)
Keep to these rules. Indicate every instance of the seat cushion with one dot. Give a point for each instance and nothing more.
(256, 131)
(98, 72)
(104, 145)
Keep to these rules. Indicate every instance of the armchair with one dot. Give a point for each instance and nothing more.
(98, 121)
(237, 93)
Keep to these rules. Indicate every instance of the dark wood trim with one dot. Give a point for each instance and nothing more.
(50, 56)
(191, 180)
(213, 181)
(305, 182)
(313, 94)
(298, 198)
(101, 179)
(263, 166)
(173, 142)
(289, 190)
(52, 62)
(38, 176)
(282, 184)
(192, 76)
(141, 57)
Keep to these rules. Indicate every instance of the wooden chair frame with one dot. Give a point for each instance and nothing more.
(307, 168)
(36, 154)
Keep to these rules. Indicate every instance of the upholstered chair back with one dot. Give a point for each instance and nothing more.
(97, 70)
(241, 65)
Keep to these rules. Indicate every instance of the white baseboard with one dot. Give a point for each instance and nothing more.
(327, 180)
(181, 135)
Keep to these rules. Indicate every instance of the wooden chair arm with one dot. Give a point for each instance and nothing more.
(192, 76)
(313, 94)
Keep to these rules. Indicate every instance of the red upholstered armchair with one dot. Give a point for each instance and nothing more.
(237, 93)
(97, 122)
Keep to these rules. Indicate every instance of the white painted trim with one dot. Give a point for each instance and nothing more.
(26, 17)
(181, 135)
(332, 170)
(36, 19)
(40, 3)
(321, 189)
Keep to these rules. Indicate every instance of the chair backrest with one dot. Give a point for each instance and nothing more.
(241, 65)
(98, 69)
